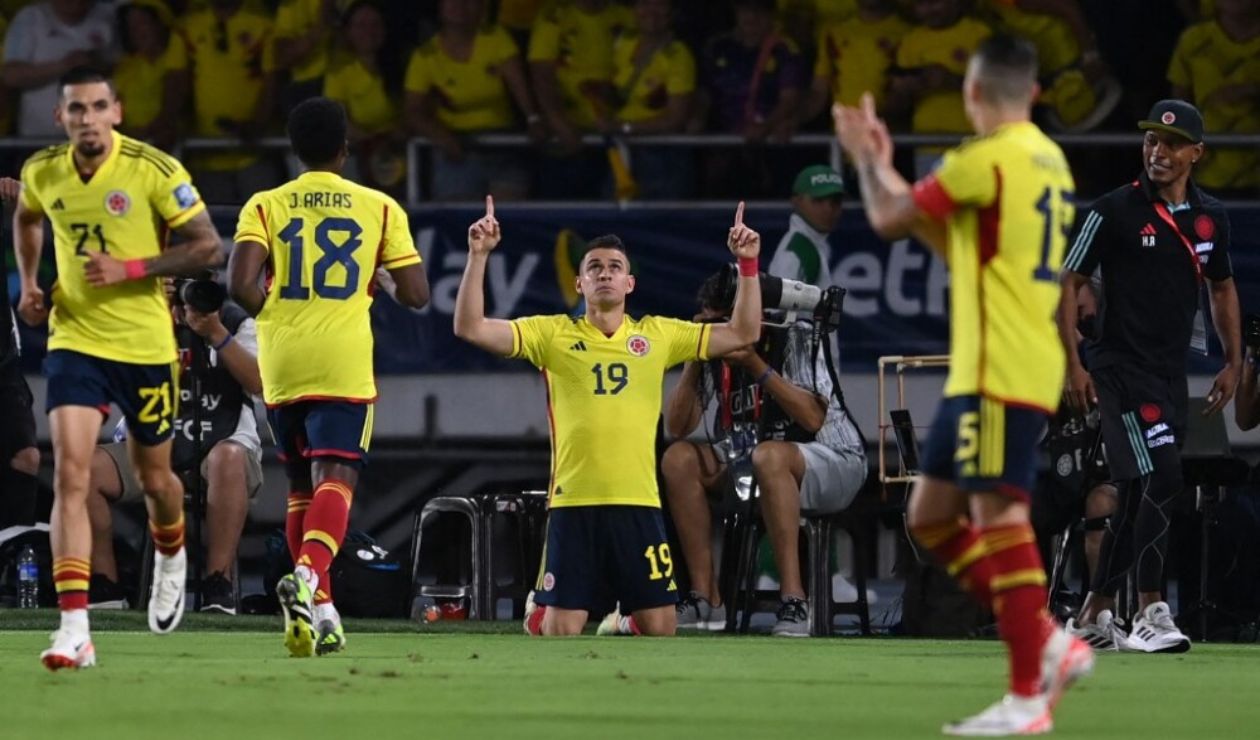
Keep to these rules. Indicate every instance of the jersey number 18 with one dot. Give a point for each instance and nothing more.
(337, 238)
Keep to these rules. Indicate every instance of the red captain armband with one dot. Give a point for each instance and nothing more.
(931, 198)
(748, 267)
(135, 269)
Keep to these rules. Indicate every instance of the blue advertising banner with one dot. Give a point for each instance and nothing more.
(897, 299)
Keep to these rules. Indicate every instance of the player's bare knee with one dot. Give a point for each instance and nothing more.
(26, 460)
(657, 622)
(1101, 502)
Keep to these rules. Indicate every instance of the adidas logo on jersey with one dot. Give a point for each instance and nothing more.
(58, 205)
(579, 347)
(1148, 235)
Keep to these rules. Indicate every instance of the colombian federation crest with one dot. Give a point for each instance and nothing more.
(638, 345)
(117, 203)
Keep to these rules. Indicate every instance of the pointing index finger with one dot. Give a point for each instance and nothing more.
(739, 214)
(489, 206)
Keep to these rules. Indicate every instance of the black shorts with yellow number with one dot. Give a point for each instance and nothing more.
(984, 445)
(145, 394)
(340, 431)
(597, 554)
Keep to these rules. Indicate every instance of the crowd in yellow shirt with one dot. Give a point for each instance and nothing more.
(558, 69)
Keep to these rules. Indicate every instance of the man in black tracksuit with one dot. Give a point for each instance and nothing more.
(1156, 242)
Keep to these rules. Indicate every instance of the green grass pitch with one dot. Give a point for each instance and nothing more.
(230, 679)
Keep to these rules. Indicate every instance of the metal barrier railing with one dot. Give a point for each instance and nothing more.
(415, 146)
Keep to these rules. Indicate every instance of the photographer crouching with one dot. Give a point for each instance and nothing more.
(778, 408)
(218, 355)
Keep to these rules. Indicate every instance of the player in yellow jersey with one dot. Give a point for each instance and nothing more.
(997, 209)
(605, 534)
(111, 201)
(319, 239)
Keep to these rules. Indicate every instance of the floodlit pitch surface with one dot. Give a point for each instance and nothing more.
(228, 679)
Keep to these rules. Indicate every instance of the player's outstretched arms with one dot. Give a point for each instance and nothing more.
(886, 196)
(199, 249)
(744, 328)
(28, 241)
(471, 324)
(245, 275)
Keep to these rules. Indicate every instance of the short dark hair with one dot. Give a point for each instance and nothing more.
(607, 241)
(317, 130)
(1008, 68)
(84, 75)
(713, 292)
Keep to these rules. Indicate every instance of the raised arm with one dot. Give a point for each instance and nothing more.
(745, 325)
(28, 241)
(471, 324)
(244, 275)
(199, 249)
(886, 196)
(1223, 295)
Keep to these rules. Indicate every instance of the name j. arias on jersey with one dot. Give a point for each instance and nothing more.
(319, 200)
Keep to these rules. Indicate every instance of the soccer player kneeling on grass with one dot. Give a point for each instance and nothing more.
(110, 200)
(604, 371)
(322, 237)
(998, 209)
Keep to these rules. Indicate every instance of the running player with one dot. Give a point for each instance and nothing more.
(997, 209)
(111, 201)
(605, 535)
(320, 239)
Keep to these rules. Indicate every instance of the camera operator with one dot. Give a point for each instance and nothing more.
(806, 454)
(1247, 404)
(218, 349)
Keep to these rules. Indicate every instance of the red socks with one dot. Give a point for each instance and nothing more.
(299, 502)
(324, 527)
(168, 539)
(1019, 602)
(957, 545)
(71, 577)
(533, 625)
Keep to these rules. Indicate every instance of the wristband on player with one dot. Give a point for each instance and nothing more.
(218, 347)
(748, 267)
(765, 377)
(135, 269)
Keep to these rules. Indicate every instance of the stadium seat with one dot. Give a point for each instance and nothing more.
(465, 567)
(742, 533)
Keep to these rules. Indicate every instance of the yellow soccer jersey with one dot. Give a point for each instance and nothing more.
(1007, 202)
(368, 106)
(951, 48)
(1207, 59)
(603, 401)
(471, 96)
(580, 43)
(670, 71)
(125, 210)
(855, 56)
(326, 236)
(141, 83)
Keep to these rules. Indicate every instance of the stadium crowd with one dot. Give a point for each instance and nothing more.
(763, 70)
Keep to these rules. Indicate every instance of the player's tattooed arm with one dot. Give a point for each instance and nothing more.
(244, 276)
(199, 249)
(28, 242)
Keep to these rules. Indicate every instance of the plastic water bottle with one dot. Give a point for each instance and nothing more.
(28, 579)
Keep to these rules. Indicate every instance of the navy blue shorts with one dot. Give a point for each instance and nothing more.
(597, 554)
(983, 445)
(338, 431)
(147, 395)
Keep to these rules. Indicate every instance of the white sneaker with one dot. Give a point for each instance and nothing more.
(1064, 659)
(166, 596)
(530, 608)
(70, 649)
(1155, 632)
(1104, 634)
(1014, 715)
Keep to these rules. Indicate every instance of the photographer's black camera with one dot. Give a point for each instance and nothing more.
(780, 294)
(203, 295)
